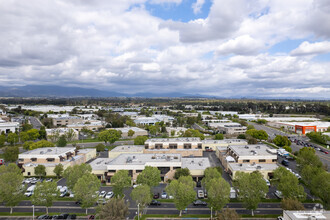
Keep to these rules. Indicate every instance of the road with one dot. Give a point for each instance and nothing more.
(35, 122)
(165, 208)
(325, 158)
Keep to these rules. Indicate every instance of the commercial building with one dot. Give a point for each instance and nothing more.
(137, 132)
(213, 145)
(51, 156)
(229, 128)
(153, 120)
(306, 215)
(301, 127)
(105, 168)
(248, 158)
(191, 146)
(64, 121)
(126, 149)
(7, 127)
(176, 130)
(90, 125)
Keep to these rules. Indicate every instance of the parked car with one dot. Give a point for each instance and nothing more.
(199, 203)
(91, 217)
(72, 216)
(49, 180)
(326, 152)
(43, 217)
(285, 162)
(164, 195)
(278, 194)
(101, 201)
(156, 196)
(155, 203)
(29, 192)
(200, 194)
(102, 194)
(109, 195)
(267, 182)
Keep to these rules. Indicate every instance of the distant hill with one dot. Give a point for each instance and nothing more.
(61, 91)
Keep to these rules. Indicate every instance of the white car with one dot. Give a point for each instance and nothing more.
(109, 195)
(278, 194)
(102, 194)
(200, 194)
(267, 182)
(63, 191)
(164, 195)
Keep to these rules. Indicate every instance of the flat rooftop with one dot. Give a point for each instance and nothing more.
(171, 140)
(251, 167)
(135, 129)
(100, 163)
(86, 150)
(141, 159)
(224, 141)
(128, 148)
(251, 150)
(196, 163)
(48, 151)
(315, 123)
(297, 215)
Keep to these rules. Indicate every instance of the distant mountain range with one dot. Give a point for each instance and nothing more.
(60, 91)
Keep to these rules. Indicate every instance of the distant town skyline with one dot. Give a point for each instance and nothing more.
(223, 48)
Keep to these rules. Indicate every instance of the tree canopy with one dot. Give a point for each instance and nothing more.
(139, 140)
(110, 136)
(44, 194)
(120, 181)
(282, 141)
(114, 209)
(72, 174)
(149, 176)
(258, 134)
(181, 172)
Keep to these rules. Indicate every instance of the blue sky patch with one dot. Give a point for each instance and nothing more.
(178, 12)
(285, 46)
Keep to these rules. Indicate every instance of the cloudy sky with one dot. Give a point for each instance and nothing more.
(278, 48)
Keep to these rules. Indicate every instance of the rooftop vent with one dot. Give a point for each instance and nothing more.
(258, 147)
(129, 160)
(240, 165)
(41, 152)
(49, 150)
(258, 167)
(246, 147)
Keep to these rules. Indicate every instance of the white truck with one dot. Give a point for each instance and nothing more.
(30, 190)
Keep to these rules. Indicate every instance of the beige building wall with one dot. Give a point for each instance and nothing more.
(89, 155)
(264, 173)
(29, 170)
(66, 121)
(183, 152)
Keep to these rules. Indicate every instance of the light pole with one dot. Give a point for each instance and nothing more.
(211, 213)
(33, 211)
(138, 211)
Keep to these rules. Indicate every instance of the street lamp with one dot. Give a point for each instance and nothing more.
(138, 211)
(211, 213)
(33, 211)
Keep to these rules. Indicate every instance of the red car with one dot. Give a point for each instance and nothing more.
(326, 152)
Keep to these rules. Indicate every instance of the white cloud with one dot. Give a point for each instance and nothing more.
(307, 48)
(242, 45)
(197, 6)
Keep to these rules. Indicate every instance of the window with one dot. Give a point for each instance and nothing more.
(246, 161)
(199, 146)
(274, 160)
(50, 159)
(112, 171)
(262, 161)
(33, 159)
(29, 174)
(138, 171)
(146, 146)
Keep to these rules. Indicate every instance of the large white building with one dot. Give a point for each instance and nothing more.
(7, 127)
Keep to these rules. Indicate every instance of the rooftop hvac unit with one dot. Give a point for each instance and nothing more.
(41, 152)
(129, 160)
(49, 150)
(258, 167)
(246, 147)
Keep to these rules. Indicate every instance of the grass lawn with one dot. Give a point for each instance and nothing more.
(144, 217)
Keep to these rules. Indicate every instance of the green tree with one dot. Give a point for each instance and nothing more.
(40, 144)
(23, 136)
(139, 140)
(172, 133)
(228, 214)
(72, 174)
(40, 170)
(252, 188)
(320, 187)
(70, 135)
(141, 194)
(258, 134)
(130, 133)
(54, 136)
(12, 138)
(61, 142)
(85, 188)
(241, 136)
(193, 133)
(249, 127)
(114, 209)
(288, 149)
(58, 170)
(306, 156)
(26, 127)
(11, 192)
(218, 193)
(153, 130)
(182, 191)
(33, 134)
(44, 194)
(181, 172)
(282, 141)
(10, 154)
(42, 132)
(120, 181)
(27, 145)
(2, 140)
(149, 176)
(110, 136)
(261, 121)
(209, 174)
(218, 137)
(291, 204)
(288, 184)
(100, 147)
